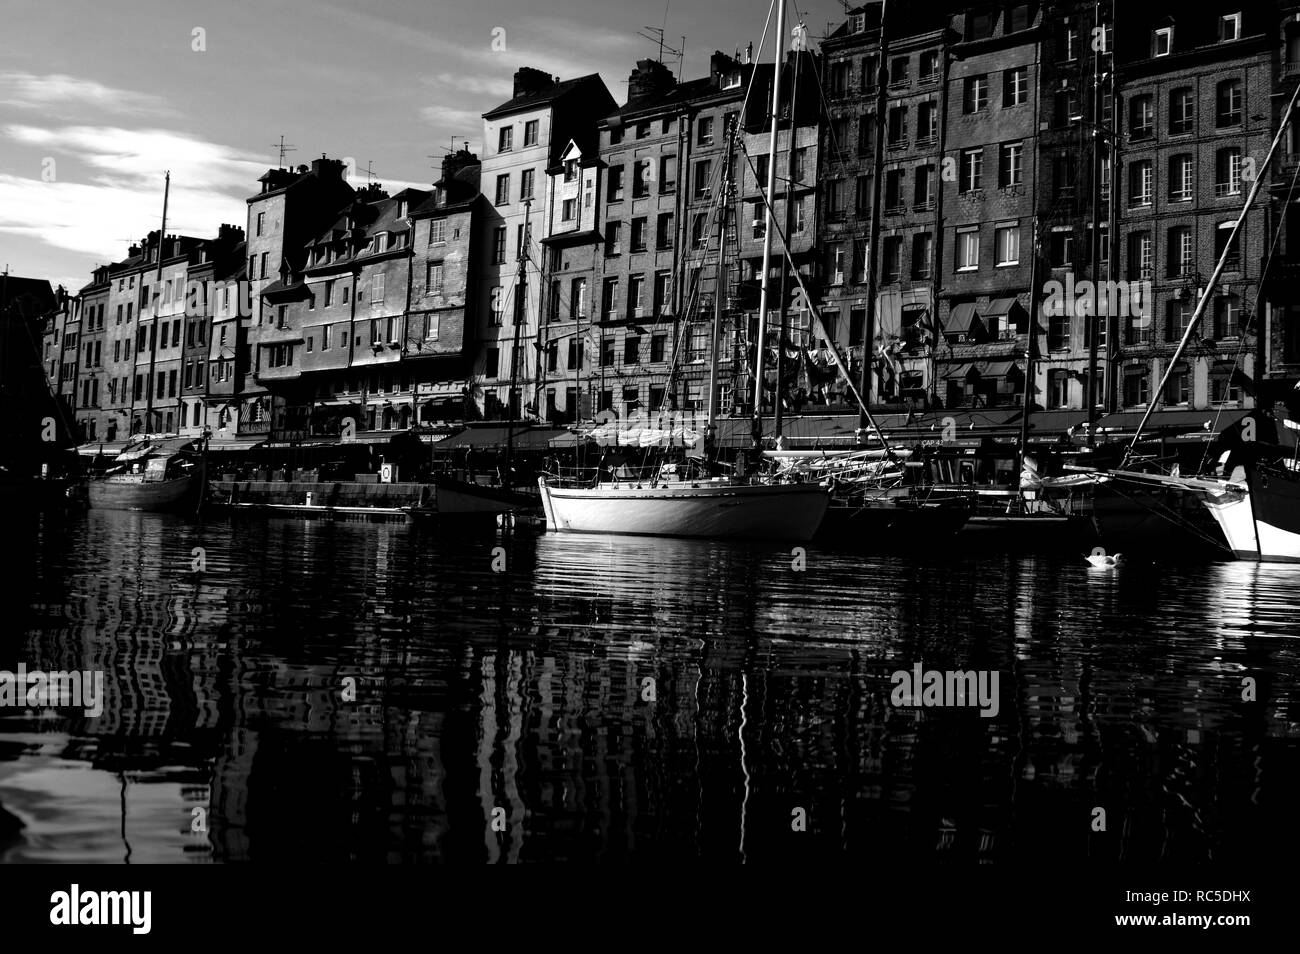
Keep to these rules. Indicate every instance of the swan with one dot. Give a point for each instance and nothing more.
(1101, 560)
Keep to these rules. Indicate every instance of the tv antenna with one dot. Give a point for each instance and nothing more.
(656, 35)
(284, 147)
(370, 173)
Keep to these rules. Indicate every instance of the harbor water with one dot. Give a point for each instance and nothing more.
(287, 690)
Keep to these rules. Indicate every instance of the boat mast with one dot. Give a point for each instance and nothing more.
(1030, 352)
(1214, 278)
(1092, 325)
(789, 228)
(153, 349)
(873, 235)
(765, 289)
(521, 296)
(720, 287)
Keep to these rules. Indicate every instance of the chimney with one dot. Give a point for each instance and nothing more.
(529, 80)
(371, 192)
(719, 64)
(453, 162)
(230, 235)
(327, 169)
(650, 79)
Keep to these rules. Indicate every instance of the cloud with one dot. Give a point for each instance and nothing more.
(119, 192)
(60, 95)
(498, 88)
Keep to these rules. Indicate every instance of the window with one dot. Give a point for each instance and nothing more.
(1007, 243)
(505, 139)
(664, 230)
(1141, 255)
(613, 238)
(898, 71)
(663, 293)
(1142, 117)
(499, 245)
(530, 132)
(968, 249)
(972, 169)
(491, 362)
(667, 174)
(1221, 234)
(496, 304)
(704, 129)
(1182, 111)
(1181, 252)
(927, 123)
(1223, 389)
(898, 127)
(526, 180)
(503, 189)
(922, 255)
(1228, 100)
(1140, 183)
(578, 298)
(261, 220)
(891, 265)
(1227, 172)
(975, 96)
(922, 196)
(1162, 41)
(437, 231)
(631, 350)
(638, 234)
(640, 178)
(1065, 106)
(1176, 389)
(1227, 316)
(568, 210)
(1180, 178)
(835, 264)
(703, 172)
(609, 298)
(614, 193)
(840, 78)
(1136, 387)
(760, 173)
(1009, 164)
(1067, 40)
(835, 197)
(433, 278)
(658, 347)
(929, 66)
(894, 190)
(870, 73)
(606, 352)
(1060, 248)
(1015, 87)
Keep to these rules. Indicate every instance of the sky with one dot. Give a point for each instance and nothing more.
(99, 98)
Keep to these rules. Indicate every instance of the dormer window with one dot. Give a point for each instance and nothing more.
(570, 170)
(1229, 27)
(401, 209)
(1162, 41)
(858, 23)
(731, 81)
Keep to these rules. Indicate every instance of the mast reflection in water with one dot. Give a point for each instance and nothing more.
(629, 698)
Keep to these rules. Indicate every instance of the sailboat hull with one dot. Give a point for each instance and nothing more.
(1261, 522)
(714, 509)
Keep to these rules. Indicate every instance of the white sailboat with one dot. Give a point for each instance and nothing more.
(673, 504)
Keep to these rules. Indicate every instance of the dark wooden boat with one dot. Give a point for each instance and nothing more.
(151, 475)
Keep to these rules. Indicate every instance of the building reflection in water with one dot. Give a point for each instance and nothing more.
(629, 698)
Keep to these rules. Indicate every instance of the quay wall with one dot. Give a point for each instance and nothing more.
(323, 493)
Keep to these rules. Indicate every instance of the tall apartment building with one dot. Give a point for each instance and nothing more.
(160, 320)
(904, 261)
(523, 137)
(444, 266)
(94, 421)
(292, 207)
(989, 165)
(227, 339)
(1196, 94)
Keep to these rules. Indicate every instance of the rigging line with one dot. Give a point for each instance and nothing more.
(1254, 305)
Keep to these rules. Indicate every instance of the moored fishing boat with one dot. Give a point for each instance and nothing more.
(151, 474)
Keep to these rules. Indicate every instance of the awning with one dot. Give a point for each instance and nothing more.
(156, 447)
(996, 369)
(475, 437)
(960, 318)
(956, 372)
(1001, 306)
(107, 448)
(338, 402)
(235, 444)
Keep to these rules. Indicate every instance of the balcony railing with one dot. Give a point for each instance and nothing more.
(1225, 189)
